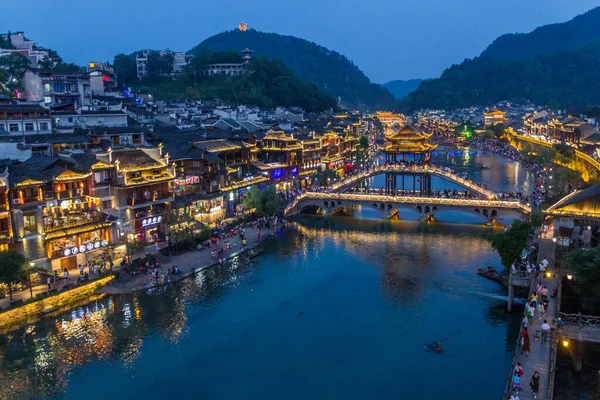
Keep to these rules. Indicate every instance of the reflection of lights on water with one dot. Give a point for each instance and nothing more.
(126, 315)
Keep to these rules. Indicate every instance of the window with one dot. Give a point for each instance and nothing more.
(13, 127)
(29, 224)
(70, 119)
(196, 164)
(43, 126)
(29, 126)
(48, 100)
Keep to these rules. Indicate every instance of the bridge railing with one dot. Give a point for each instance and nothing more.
(411, 200)
(439, 171)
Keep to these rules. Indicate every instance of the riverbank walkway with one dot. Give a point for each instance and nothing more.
(541, 351)
(191, 262)
(539, 358)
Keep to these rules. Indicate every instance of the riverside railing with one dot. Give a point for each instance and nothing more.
(508, 389)
(554, 349)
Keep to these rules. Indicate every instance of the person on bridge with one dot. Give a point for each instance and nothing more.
(535, 384)
(545, 330)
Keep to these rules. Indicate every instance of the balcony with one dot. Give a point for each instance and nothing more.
(71, 220)
(101, 191)
(143, 202)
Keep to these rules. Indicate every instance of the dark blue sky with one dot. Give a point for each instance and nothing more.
(387, 39)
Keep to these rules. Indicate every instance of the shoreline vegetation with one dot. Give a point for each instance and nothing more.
(53, 304)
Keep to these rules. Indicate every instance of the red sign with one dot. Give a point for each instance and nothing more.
(187, 181)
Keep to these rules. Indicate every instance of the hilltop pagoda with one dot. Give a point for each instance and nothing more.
(407, 143)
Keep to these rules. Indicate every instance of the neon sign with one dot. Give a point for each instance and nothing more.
(71, 251)
(151, 221)
(192, 180)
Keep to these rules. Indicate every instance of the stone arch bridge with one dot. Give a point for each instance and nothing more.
(425, 207)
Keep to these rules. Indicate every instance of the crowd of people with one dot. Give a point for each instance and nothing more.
(537, 196)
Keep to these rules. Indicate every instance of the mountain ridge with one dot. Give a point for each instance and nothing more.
(546, 39)
(561, 74)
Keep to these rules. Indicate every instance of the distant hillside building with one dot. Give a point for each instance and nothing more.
(494, 117)
(179, 62)
(234, 69)
(26, 47)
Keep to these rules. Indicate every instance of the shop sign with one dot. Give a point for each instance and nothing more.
(71, 251)
(151, 221)
(192, 180)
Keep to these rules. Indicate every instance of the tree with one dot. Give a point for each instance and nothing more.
(497, 130)
(264, 202)
(362, 153)
(51, 60)
(14, 65)
(378, 125)
(585, 264)
(268, 201)
(125, 68)
(159, 64)
(12, 269)
(510, 244)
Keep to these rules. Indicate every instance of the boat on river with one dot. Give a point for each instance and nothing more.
(490, 273)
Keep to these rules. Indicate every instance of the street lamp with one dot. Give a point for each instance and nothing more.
(31, 264)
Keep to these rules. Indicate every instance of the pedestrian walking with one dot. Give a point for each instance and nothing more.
(545, 330)
(541, 311)
(48, 281)
(526, 345)
(530, 311)
(535, 384)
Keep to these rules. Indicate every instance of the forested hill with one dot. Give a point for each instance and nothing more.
(573, 34)
(565, 72)
(328, 70)
(267, 83)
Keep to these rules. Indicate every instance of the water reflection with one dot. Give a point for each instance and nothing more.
(339, 307)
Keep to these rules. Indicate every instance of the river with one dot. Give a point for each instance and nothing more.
(337, 308)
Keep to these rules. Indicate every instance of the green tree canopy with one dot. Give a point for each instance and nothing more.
(264, 202)
(159, 64)
(51, 60)
(12, 268)
(585, 264)
(125, 68)
(510, 244)
(14, 67)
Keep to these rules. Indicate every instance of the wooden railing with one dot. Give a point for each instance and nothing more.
(580, 320)
(438, 171)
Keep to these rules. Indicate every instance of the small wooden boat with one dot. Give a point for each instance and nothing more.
(48, 310)
(490, 273)
(436, 347)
